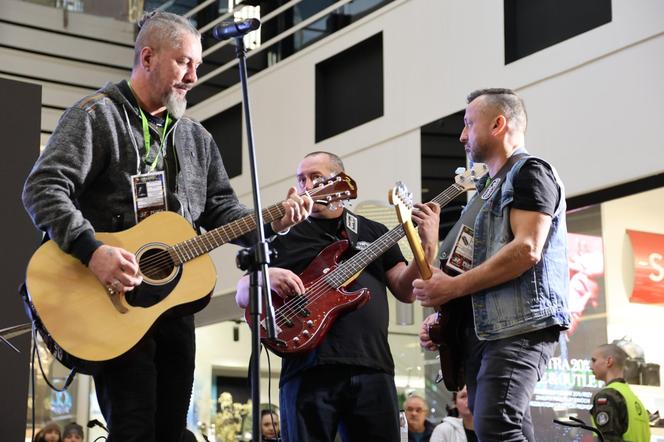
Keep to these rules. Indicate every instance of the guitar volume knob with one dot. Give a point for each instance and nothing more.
(310, 323)
(305, 333)
(296, 340)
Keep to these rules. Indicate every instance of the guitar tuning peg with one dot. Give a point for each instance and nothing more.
(459, 170)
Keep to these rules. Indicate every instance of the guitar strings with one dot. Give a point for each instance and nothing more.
(298, 303)
(194, 247)
(292, 307)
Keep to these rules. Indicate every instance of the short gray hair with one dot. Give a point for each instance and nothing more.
(506, 102)
(337, 164)
(157, 29)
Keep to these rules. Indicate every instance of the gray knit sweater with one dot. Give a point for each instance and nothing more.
(81, 182)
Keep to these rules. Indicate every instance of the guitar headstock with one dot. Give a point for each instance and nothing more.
(402, 200)
(467, 178)
(333, 191)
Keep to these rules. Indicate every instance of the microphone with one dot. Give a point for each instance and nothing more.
(96, 423)
(227, 30)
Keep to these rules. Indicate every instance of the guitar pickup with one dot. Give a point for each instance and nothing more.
(300, 303)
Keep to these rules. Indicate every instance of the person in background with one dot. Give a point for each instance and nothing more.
(94, 174)
(269, 426)
(458, 425)
(617, 412)
(417, 411)
(49, 433)
(72, 432)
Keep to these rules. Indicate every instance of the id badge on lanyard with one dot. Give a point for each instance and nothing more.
(149, 194)
(461, 256)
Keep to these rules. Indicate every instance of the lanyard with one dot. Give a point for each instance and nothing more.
(146, 139)
(146, 135)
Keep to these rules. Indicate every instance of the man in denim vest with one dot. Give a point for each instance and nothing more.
(505, 269)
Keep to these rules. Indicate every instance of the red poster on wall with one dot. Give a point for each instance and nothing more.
(648, 250)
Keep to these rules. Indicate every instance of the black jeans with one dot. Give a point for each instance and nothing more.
(501, 376)
(144, 394)
(359, 403)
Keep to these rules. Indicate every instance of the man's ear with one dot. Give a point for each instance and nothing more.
(146, 58)
(609, 361)
(499, 125)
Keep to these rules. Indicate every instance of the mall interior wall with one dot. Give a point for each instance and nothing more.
(594, 101)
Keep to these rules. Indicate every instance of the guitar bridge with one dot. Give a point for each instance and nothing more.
(283, 319)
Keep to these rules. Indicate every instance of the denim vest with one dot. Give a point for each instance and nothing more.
(538, 298)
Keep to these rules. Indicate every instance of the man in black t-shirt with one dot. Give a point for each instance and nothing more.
(346, 384)
(511, 276)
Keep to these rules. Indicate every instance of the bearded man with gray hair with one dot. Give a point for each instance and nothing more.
(105, 153)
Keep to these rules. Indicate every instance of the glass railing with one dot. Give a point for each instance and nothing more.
(129, 10)
(286, 28)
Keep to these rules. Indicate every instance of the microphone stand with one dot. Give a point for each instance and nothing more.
(256, 260)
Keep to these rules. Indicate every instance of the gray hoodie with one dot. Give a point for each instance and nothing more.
(81, 182)
(450, 430)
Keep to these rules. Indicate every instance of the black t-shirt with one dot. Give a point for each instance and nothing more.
(357, 338)
(536, 188)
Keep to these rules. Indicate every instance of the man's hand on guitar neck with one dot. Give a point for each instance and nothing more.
(115, 268)
(427, 218)
(438, 290)
(297, 208)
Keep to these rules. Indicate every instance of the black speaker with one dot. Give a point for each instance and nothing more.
(20, 125)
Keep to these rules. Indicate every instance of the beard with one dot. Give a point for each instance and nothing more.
(476, 152)
(176, 106)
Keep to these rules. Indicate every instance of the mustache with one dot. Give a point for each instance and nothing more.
(185, 86)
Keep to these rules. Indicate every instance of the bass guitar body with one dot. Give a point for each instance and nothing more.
(446, 333)
(302, 321)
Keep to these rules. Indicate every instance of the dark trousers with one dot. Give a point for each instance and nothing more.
(360, 403)
(501, 376)
(144, 394)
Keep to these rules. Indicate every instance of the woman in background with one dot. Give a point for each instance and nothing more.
(458, 425)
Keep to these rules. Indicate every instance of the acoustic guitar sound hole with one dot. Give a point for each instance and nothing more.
(156, 264)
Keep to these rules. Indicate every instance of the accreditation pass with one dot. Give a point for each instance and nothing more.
(461, 257)
(149, 192)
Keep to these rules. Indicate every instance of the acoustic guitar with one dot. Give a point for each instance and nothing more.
(83, 325)
(302, 321)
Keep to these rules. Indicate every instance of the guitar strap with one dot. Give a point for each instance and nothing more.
(351, 227)
(486, 188)
(347, 228)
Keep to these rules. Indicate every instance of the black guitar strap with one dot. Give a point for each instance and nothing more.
(348, 226)
(351, 227)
